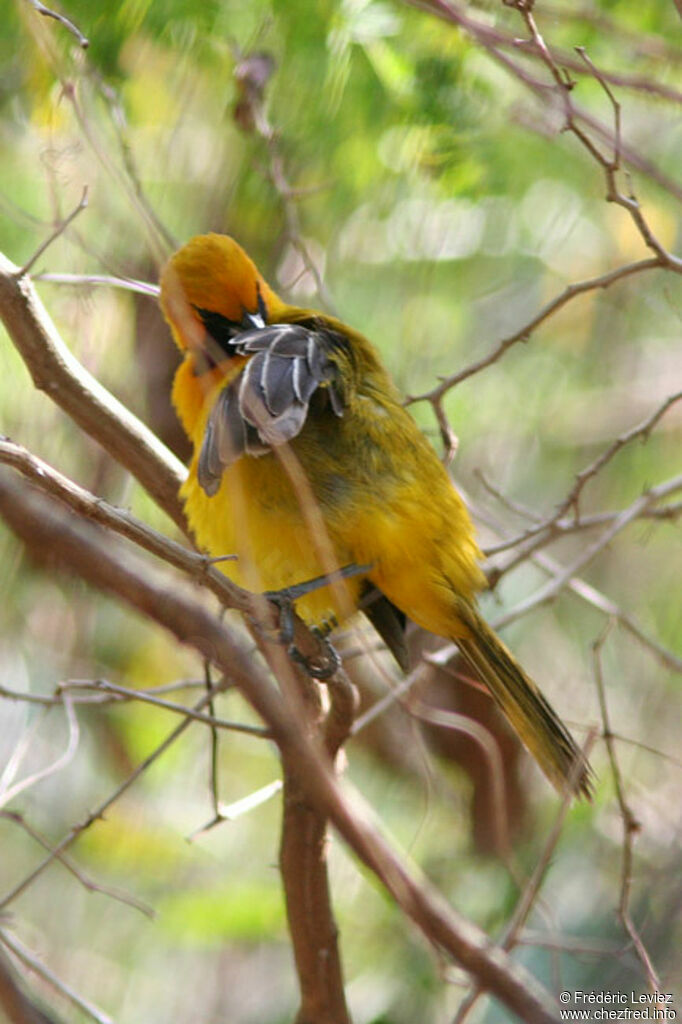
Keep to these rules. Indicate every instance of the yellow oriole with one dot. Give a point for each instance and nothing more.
(306, 461)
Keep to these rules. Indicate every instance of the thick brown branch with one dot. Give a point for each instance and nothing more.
(57, 372)
(196, 566)
(43, 526)
(303, 864)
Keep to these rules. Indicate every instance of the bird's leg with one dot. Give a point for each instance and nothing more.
(297, 590)
(317, 668)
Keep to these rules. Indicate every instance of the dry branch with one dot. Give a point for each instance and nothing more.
(523, 333)
(71, 867)
(303, 863)
(55, 371)
(543, 531)
(47, 12)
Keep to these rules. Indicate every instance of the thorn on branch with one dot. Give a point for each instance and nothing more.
(569, 83)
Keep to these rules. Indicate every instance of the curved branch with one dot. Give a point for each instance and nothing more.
(523, 333)
(57, 372)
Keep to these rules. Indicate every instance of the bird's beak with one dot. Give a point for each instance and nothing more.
(252, 321)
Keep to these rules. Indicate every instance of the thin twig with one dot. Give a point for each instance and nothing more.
(554, 586)
(50, 700)
(100, 810)
(570, 944)
(566, 527)
(631, 826)
(59, 229)
(480, 32)
(493, 758)
(642, 430)
(610, 165)
(229, 812)
(158, 235)
(31, 960)
(179, 709)
(105, 280)
(119, 123)
(532, 888)
(19, 1009)
(639, 42)
(523, 333)
(252, 74)
(495, 39)
(47, 12)
(546, 530)
(85, 881)
(594, 597)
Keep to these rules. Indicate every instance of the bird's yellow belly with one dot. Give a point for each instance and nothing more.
(422, 559)
(256, 517)
(421, 555)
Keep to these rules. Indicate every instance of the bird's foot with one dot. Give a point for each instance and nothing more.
(317, 666)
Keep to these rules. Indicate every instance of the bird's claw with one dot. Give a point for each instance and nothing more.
(320, 668)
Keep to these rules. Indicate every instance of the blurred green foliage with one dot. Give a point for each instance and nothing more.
(443, 208)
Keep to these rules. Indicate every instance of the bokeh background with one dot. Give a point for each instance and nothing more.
(442, 207)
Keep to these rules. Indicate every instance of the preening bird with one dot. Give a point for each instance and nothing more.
(305, 461)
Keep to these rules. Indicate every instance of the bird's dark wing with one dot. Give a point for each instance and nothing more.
(267, 403)
(388, 621)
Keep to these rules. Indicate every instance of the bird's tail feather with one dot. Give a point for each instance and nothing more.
(528, 711)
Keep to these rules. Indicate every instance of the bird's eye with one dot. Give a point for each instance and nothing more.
(219, 327)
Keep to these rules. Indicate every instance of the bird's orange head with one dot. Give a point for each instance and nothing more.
(211, 286)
